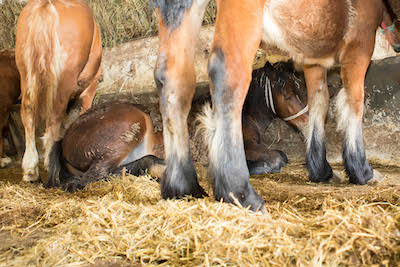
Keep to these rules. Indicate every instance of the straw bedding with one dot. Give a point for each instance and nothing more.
(119, 20)
(124, 222)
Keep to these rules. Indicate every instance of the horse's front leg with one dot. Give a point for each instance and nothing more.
(318, 100)
(237, 37)
(175, 78)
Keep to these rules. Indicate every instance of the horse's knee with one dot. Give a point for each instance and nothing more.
(230, 85)
(160, 72)
(176, 86)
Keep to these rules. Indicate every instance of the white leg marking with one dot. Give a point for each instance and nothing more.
(48, 142)
(214, 136)
(347, 121)
(30, 162)
(317, 114)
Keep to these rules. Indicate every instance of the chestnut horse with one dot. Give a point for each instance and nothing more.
(58, 54)
(316, 34)
(9, 93)
(117, 135)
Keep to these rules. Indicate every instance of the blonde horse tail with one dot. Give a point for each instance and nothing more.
(43, 58)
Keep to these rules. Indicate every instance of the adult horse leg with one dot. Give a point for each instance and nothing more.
(175, 78)
(55, 119)
(318, 98)
(237, 37)
(350, 109)
(92, 71)
(30, 160)
(82, 104)
(87, 95)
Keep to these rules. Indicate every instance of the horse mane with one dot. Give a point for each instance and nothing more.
(43, 57)
(172, 11)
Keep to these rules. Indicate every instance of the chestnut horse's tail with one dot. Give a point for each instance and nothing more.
(43, 58)
(58, 172)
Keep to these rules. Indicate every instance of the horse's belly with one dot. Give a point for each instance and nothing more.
(305, 29)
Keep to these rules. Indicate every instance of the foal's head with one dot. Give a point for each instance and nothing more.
(283, 96)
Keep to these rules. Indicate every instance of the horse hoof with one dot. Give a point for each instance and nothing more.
(377, 179)
(72, 187)
(271, 163)
(30, 178)
(4, 162)
(180, 180)
(284, 158)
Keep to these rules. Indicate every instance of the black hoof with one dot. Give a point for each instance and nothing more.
(358, 169)
(396, 48)
(272, 162)
(356, 164)
(285, 160)
(246, 197)
(320, 174)
(73, 185)
(261, 167)
(52, 184)
(318, 167)
(180, 180)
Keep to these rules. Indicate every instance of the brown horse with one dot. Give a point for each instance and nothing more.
(9, 93)
(316, 34)
(58, 55)
(117, 135)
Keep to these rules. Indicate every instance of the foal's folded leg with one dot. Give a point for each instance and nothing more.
(154, 165)
(96, 172)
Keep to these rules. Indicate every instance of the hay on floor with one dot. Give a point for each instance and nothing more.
(123, 221)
